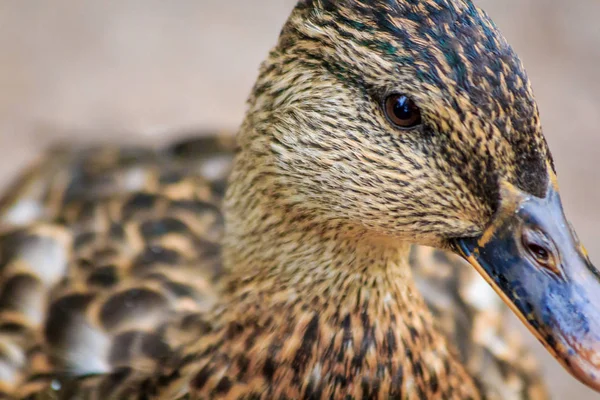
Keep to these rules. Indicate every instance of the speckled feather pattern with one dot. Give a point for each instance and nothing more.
(114, 243)
(312, 291)
(125, 289)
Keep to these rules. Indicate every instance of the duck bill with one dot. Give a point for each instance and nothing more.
(532, 258)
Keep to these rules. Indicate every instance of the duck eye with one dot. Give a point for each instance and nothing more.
(402, 111)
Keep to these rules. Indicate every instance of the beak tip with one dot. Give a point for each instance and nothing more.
(585, 376)
(584, 366)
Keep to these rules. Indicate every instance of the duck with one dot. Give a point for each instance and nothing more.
(388, 197)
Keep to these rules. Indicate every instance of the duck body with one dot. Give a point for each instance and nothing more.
(131, 273)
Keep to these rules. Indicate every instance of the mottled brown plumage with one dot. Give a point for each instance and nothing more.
(115, 285)
(125, 246)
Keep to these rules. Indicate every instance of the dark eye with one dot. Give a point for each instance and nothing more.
(402, 111)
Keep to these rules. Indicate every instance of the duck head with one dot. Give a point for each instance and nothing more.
(415, 120)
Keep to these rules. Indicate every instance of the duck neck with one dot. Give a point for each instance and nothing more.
(281, 253)
(275, 251)
(316, 264)
(340, 293)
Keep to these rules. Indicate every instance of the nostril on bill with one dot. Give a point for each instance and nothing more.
(540, 249)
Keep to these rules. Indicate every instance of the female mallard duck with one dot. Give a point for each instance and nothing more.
(374, 125)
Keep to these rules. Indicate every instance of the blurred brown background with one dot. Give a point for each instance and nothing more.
(133, 70)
